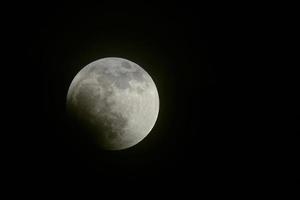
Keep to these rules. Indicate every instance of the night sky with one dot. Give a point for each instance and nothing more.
(200, 135)
(174, 46)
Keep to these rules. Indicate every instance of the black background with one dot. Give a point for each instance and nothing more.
(202, 135)
(175, 45)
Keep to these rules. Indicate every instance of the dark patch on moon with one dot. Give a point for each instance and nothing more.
(122, 82)
(138, 75)
(97, 68)
(120, 79)
(126, 65)
(105, 81)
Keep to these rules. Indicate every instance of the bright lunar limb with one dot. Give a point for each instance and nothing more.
(115, 100)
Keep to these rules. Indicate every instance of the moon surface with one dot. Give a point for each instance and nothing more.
(115, 100)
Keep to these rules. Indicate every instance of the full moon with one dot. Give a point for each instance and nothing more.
(115, 100)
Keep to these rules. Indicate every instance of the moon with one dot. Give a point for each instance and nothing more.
(115, 100)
